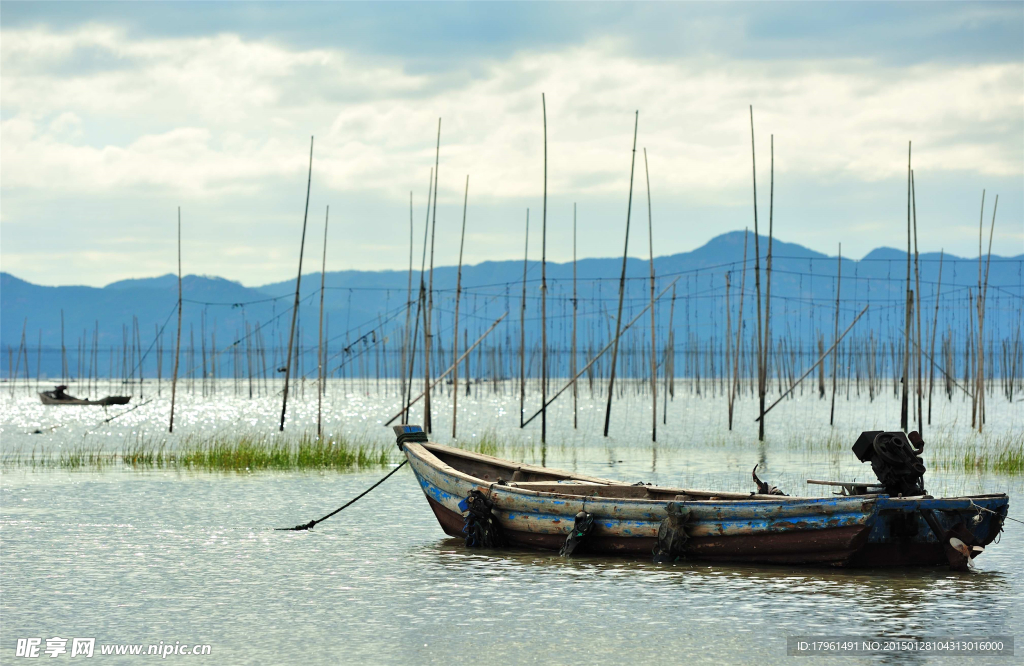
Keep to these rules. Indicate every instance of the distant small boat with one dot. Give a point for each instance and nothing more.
(58, 397)
(495, 502)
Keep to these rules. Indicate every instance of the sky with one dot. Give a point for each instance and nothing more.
(114, 115)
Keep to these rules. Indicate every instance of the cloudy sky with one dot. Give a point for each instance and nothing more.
(113, 115)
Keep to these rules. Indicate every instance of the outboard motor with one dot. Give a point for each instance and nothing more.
(895, 459)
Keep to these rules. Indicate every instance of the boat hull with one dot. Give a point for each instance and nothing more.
(778, 530)
(47, 398)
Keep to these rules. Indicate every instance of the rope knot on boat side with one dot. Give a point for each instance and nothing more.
(581, 528)
(481, 528)
(672, 536)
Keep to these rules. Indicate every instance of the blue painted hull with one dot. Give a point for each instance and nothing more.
(746, 529)
(900, 535)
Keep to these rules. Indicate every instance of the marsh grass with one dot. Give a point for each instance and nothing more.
(246, 452)
(1002, 453)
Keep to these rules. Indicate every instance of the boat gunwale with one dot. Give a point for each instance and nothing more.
(732, 498)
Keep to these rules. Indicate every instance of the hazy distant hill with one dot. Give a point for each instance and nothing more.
(357, 302)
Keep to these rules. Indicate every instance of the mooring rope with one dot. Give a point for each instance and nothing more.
(312, 523)
(981, 508)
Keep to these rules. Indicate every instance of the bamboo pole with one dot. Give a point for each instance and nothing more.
(917, 293)
(768, 287)
(407, 377)
(17, 364)
(728, 341)
(982, 298)
(455, 332)
(622, 284)
(63, 352)
(572, 364)
(138, 353)
(734, 390)
(428, 313)
(654, 357)
(421, 299)
(835, 355)
(202, 344)
(757, 285)
(298, 282)
(670, 358)
(522, 327)
(320, 334)
(904, 421)
(177, 341)
(544, 290)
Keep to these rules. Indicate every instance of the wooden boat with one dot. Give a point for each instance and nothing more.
(537, 508)
(540, 507)
(54, 398)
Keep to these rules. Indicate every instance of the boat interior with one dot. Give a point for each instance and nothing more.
(489, 469)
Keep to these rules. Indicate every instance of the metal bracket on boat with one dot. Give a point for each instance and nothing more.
(672, 535)
(763, 487)
(409, 433)
(583, 526)
(957, 542)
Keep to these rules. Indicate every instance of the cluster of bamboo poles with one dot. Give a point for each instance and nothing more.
(730, 363)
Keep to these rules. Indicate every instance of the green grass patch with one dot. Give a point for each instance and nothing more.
(246, 452)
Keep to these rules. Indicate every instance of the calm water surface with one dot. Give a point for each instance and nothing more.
(149, 556)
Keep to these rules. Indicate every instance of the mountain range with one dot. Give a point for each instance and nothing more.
(365, 309)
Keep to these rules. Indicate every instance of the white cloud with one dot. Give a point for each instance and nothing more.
(221, 112)
(221, 124)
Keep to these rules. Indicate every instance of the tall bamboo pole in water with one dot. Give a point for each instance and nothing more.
(935, 323)
(982, 298)
(177, 341)
(974, 397)
(421, 300)
(63, 351)
(654, 356)
(917, 293)
(622, 284)
(522, 327)
(757, 284)
(735, 384)
(835, 350)
(298, 281)
(544, 288)
(572, 364)
(455, 332)
(768, 286)
(839, 286)
(670, 356)
(408, 312)
(907, 318)
(138, 354)
(17, 364)
(320, 332)
(427, 315)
